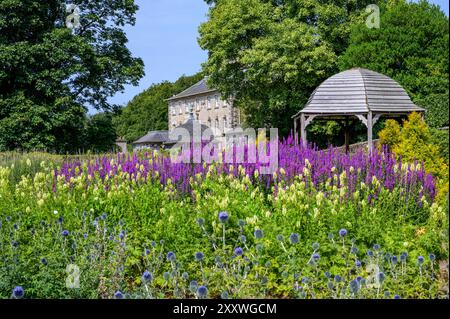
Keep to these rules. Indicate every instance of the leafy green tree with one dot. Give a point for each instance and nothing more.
(149, 110)
(411, 46)
(50, 74)
(270, 55)
(100, 132)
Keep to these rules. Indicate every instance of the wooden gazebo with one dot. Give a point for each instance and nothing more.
(359, 94)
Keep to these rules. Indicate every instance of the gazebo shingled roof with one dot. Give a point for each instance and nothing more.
(358, 92)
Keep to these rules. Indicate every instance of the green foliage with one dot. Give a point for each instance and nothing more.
(411, 46)
(100, 133)
(149, 110)
(271, 55)
(49, 73)
(437, 109)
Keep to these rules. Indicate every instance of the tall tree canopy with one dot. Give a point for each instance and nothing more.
(149, 110)
(271, 54)
(411, 46)
(50, 74)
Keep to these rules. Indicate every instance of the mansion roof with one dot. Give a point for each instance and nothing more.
(198, 88)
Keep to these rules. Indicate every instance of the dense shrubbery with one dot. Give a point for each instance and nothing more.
(120, 219)
(415, 141)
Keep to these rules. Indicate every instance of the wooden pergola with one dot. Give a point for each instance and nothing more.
(358, 94)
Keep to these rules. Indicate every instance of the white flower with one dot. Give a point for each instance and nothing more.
(55, 212)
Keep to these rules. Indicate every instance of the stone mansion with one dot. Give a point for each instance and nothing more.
(207, 107)
(198, 102)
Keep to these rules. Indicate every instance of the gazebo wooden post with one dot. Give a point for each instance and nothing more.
(303, 130)
(369, 131)
(347, 135)
(295, 131)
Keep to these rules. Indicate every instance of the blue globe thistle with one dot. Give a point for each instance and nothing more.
(294, 238)
(403, 256)
(315, 246)
(432, 257)
(65, 233)
(268, 264)
(193, 286)
(241, 223)
(166, 276)
(330, 285)
(397, 297)
(15, 243)
(223, 217)
(369, 253)
(381, 277)
(238, 251)
(161, 242)
(202, 292)
(171, 256)
(153, 244)
(296, 276)
(146, 251)
(359, 279)
(224, 295)
(376, 247)
(147, 276)
(122, 235)
(420, 260)
(185, 276)
(259, 247)
(85, 235)
(330, 236)
(60, 220)
(394, 259)
(118, 295)
(242, 239)
(305, 280)
(103, 217)
(15, 226)
(343, 232)
(18, 292)
(354, 250)
(315, 256)
(357, 263)
(327, 274)
(200, 221)
(280, 237)
(337, 278)
(258, 234)
(199, 256)
(44, 261)
(111, 238)
(354, 286)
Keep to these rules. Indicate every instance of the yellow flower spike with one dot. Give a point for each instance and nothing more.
(282, 171)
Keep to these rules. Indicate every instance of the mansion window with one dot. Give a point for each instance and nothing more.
(209, 102)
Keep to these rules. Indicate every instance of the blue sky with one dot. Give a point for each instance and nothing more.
(165, 37)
